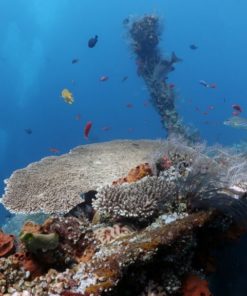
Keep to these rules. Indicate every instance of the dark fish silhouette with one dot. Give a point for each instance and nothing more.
(162, 69)
(75, 61)
(193, 47)
(92, 41)
(28, 131)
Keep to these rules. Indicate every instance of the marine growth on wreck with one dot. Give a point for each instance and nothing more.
(173, 204)
(154, 68)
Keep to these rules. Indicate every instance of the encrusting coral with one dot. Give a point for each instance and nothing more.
(195, 286)
(135, 174)
(7, 244)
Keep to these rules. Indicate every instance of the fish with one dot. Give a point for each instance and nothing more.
(236, 122)
(207, 85)
(103, 78)
(129, 105)
(193, 47)
(237, 108)
(54, 150)
(92, 41)
(67, 96)
(87, 129)
(204, 83)
(29, 131)
(162, 69)
(124, 78)
(75, 61)
(171, 85)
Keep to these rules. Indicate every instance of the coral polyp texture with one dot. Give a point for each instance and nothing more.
(141, 200)
(55, 184)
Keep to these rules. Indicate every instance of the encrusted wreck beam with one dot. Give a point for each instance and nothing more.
(109, 264)
(154, 68)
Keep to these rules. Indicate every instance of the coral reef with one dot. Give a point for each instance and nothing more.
(109, 234)
(195, 286)
(140, 200)
(145, 34)
(60, 180)
(173, 208)
(135, 174)
(7, 244)
(35, 242)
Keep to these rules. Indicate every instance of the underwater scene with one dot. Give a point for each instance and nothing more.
(123, 148)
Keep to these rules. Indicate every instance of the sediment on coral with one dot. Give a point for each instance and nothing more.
(145, 35)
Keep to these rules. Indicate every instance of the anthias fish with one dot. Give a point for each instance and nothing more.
(87, 129)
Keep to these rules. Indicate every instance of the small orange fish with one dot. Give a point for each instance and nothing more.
(103, 78)
(54, 150)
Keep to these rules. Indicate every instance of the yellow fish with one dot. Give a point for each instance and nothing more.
(67, 96)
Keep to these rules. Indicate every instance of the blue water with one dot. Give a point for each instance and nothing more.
(40, 38)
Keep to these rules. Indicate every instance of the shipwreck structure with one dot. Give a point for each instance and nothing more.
(144, 35)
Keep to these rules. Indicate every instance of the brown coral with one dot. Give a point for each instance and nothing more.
(195, 286)
(135, 174)
(7, 244)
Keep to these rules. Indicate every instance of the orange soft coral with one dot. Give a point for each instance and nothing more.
(135, 174)
(195, 286)
(7, 244)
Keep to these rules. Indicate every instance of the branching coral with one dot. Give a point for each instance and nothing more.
(140, 200)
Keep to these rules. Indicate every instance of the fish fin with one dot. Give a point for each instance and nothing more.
(175, 59)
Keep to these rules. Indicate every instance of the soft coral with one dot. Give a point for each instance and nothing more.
(195, 286)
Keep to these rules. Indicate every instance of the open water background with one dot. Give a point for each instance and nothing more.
(40, 38)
